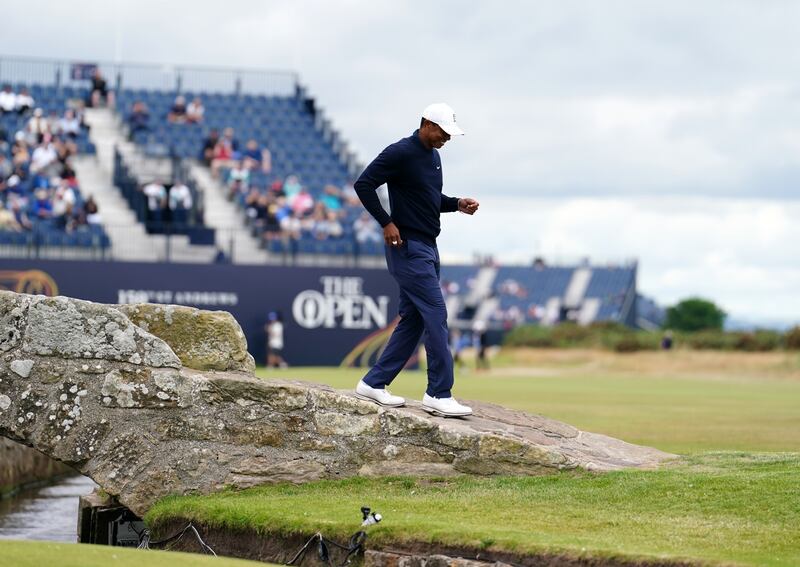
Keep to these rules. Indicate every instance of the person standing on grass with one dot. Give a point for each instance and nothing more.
(412, 169)
(274, 329)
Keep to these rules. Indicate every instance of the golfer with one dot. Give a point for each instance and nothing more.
(412, 169)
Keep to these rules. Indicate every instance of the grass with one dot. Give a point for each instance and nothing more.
(682, 402)
(718, 507)
(726, 500)
(40, 554)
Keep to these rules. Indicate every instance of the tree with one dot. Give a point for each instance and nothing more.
(694, 314)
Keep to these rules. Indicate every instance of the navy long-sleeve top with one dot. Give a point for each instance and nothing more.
(413, 174)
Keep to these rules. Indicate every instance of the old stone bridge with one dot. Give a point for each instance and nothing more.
(150, 400)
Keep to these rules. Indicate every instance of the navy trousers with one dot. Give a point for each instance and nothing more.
(415, 267)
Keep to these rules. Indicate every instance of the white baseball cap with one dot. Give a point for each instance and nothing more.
(443, 115)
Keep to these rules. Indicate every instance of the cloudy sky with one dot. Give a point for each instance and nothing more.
(661, 131)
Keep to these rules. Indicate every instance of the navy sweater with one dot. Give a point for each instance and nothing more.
(413, 174)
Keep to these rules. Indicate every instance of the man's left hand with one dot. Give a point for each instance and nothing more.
(468, 205)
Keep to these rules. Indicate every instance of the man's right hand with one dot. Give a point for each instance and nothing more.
(391, 235)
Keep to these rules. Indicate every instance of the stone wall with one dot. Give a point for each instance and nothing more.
(21, 466)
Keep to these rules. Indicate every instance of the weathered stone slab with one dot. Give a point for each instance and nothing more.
(203, 340)
(83, 384)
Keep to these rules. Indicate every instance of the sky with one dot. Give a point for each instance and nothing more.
(665, 132)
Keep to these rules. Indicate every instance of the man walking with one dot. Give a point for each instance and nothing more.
(412, 169)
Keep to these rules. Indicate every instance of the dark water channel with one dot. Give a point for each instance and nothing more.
(45, 513)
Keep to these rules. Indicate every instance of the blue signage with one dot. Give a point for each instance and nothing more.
(331, 316)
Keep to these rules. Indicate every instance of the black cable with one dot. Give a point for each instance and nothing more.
(145, 543)
(355, 544)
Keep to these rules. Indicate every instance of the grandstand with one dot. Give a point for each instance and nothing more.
(505, 296)
(264, 180)
(43, 209)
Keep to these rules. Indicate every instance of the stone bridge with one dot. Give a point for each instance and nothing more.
(150, 400)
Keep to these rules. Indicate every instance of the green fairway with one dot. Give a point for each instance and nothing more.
(47, 554)
(722, 507)
(678, 410)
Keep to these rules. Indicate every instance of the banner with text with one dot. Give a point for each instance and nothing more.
(330, 315)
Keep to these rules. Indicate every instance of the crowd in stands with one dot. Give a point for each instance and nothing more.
(38, 185)
(286, 210)
(278, 209)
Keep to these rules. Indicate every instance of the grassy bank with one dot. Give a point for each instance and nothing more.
(46, 554)
(733, 507)
(727, 500)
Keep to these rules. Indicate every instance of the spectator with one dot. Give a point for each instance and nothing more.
(37, 127)
(480, 341)
(92, 211)
(16, 189)
(44, 161)
(156, 195)
(24, 101)
(8, 100)
(277, 188)
(177, 114)
(274, 331)
(302, 202)
(237, 190)
(226, 151)
(20, 216)
(195, 111)
(19, 151)
(666, 341)
(64, 150)
(63, 207)
(139, 118)
(238, 180)
(69, 124)
(366, 229)
(209, 144)
(7, 220)
(180, 203)
(53, 123)
(289, 222)
(332, 198)
(255, 207)
(220, 257)
(457, 346)
(100, 90)
(271, 224)
(5, 167)
(291, 186)
(256, 157)
(328, 227)
(42, 207)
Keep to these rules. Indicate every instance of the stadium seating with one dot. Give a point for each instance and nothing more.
(525, 291)
(45, 233)
(285, 125)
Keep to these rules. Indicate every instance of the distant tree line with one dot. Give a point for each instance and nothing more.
(693, 323)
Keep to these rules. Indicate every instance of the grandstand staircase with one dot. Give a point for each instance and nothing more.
(226, 218)
(480, 297)
(129, 240)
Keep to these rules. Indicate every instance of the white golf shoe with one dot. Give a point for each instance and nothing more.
(381, 397)
(447, 407)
